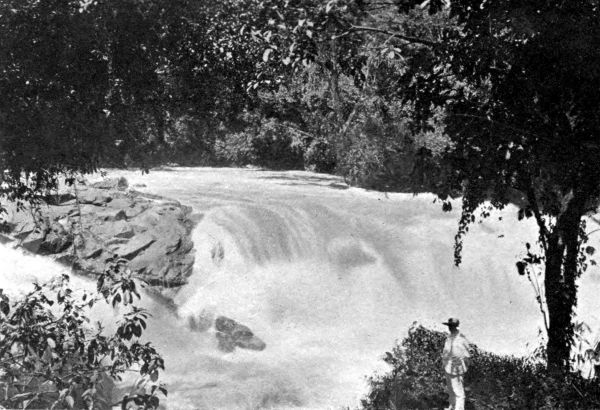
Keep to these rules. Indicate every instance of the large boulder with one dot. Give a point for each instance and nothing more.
(86, 225)
(231, 334)
(94, 197)
(119, 184)
(56, 240)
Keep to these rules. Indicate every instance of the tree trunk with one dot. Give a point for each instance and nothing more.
(561, 290)
(334, 81)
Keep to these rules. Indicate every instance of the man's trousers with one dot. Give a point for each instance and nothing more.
(456, 391)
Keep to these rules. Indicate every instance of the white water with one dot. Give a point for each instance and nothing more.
(329, 278)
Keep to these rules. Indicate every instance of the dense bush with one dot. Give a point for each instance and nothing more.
(263, 142)
(367, 139)
(320, 156)
(235, 149)
(378, 151)
(277, 146)
(187, 140)
(416, 380)
(362, 164)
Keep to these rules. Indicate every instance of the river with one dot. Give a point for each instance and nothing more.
(329, 277)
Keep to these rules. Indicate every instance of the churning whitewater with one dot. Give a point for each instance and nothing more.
(329, 277)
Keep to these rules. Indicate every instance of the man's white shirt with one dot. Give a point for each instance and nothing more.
(456, 351)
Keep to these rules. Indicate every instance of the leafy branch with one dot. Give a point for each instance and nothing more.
(51, 357)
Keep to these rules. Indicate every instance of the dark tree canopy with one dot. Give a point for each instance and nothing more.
(520, 85)
(85, 83)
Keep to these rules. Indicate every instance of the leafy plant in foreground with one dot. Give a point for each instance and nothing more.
(51, 356)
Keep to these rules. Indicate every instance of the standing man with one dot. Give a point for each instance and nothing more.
(454, 359)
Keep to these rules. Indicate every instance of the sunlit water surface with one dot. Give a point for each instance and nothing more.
(329, 277)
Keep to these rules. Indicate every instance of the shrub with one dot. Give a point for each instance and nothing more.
(319, 157)
(277, 146)
(378, 151)
(187, 141)
(50, 357)
(236, 149)
(263, 142)
(416, 380)
(378, 156)
(362, 164)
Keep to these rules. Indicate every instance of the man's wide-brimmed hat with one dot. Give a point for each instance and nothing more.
(452, 322)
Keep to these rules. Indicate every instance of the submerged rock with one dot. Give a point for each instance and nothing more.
(232, 334)
(120, 184)
(86, 225)
(93, 197)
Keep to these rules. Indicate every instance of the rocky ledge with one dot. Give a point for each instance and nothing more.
(85, 225)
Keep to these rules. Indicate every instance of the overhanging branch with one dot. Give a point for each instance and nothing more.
(409, 39)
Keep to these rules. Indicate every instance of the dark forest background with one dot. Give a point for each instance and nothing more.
(143, 83)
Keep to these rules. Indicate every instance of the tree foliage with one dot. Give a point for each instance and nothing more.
(89, 83)
(518, 82)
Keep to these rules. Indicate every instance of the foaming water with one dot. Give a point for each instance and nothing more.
(329, 278)
(19, 270)
(285, 273)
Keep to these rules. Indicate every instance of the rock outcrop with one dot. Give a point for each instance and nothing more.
(86, 225)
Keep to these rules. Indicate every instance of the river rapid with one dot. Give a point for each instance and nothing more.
(329, 277)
